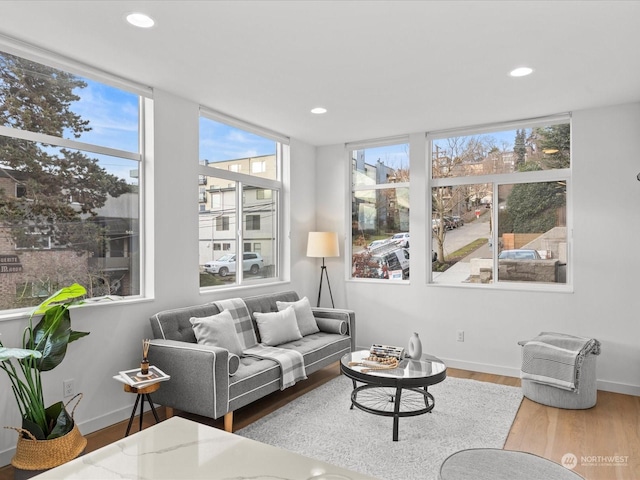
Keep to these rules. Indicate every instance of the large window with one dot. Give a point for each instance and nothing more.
(241, 171)
(499, 204)
(70, 166)
(380, 211)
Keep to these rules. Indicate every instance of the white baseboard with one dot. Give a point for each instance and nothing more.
(619, 388)
(603, 385)
(482, 367)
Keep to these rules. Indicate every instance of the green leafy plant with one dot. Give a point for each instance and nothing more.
(44, 346)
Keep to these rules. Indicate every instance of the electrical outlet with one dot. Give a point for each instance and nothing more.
(67, 388)
(460, 335)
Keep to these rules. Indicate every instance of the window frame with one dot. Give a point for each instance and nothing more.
(145, 111)
(243, 180)
(353, 188)
(497, 180)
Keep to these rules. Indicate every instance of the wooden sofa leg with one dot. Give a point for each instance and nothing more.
(168, 412)
(228, 422)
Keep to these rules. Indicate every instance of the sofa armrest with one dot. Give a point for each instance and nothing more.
(199, 377)
(348, 316)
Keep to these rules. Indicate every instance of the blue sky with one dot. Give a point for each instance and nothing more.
(394, 156)
(113, 116)
(219, 142)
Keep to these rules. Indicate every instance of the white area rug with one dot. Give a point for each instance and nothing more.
(467, 414)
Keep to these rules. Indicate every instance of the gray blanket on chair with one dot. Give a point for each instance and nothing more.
(555, 359)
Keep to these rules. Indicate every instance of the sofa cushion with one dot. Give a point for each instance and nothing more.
(278, 327)
(319, 348)
(255, 378)
(304, 316)
(218, 331)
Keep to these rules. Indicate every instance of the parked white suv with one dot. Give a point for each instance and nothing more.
(251, 262)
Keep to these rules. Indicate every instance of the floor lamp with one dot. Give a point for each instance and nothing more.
(323, 244)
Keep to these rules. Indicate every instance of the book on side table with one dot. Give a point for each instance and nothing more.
(136, 379)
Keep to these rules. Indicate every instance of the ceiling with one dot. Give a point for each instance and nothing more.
(381, 68)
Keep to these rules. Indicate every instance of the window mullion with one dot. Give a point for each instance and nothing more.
(68, 143)
(239, 232)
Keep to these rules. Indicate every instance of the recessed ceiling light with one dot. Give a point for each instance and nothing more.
(140, 20)
(319, 110)
(521, 72)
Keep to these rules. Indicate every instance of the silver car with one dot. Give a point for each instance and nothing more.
(519, 254)
(401, 239)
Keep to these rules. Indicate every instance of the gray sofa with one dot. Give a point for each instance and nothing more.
(200, 378)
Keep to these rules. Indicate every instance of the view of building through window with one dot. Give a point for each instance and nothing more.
(499, 206)
(239, 194)
(69, 191)
(380, 212)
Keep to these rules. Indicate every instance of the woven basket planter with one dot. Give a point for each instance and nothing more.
(32, 454)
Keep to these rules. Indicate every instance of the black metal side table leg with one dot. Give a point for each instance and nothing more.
(133, 414)
(141, 410)
(153, 407)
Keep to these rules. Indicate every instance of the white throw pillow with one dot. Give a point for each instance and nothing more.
(304, 316)
(218, 331)
(277, 328)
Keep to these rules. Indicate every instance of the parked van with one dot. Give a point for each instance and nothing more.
(393, 260)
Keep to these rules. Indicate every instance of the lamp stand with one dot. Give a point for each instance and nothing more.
(323, 273)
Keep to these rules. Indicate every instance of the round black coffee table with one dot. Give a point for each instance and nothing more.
(398, 392)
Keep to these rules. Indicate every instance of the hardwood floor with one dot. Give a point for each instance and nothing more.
(605, 439)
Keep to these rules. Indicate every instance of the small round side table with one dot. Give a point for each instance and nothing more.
(142, 392)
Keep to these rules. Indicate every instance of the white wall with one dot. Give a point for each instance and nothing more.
(117, 330)
(605, 302)
(606, 197)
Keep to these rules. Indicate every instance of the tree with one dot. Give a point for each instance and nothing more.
(533, 207)
(552, 145)
(55, 192)
(457, 156)
(62, 187)
(519, 147)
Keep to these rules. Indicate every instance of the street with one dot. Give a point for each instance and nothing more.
(459, 237)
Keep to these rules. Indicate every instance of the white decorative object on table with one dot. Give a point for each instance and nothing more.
(414, 351)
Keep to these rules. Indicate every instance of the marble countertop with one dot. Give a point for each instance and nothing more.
(182, 449)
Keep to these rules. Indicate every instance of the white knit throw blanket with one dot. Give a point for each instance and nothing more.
(556, 359)
(291, 362)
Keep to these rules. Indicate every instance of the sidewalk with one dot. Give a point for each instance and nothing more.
(460, 272)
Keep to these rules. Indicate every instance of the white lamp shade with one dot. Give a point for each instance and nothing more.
(323, 244)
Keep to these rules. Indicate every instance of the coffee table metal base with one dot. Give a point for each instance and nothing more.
(392, 402)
